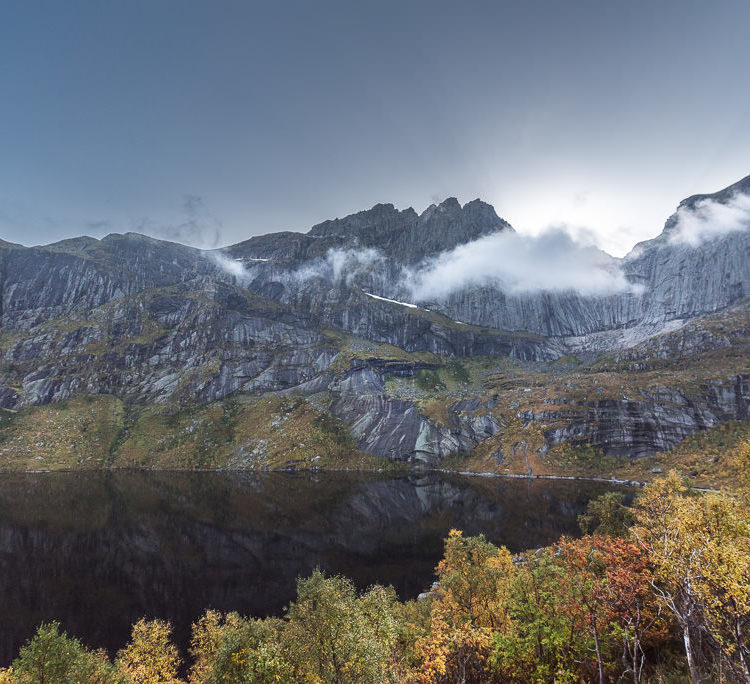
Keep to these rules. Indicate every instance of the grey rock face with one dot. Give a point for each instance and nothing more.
(679, 281)
(394, 428)
(44, 283)
(154, 348)
(683, 281)
(402, 236)
(672, 280)
(658, 421)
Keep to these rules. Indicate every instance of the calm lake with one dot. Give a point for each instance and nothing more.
(99, 550)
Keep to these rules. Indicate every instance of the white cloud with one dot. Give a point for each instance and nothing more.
(512, 263)
(341, 265)
(232, 267)
(552, 261)
(709, 219)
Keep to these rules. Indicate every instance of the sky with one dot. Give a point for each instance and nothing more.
(209, 122)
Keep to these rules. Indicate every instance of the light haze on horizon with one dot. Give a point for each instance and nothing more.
(210, 122)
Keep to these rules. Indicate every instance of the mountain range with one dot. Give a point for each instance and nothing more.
(442, 338)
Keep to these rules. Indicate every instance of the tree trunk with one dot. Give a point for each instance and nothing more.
(741, 651)
(637, 666)
(598, 655)
(694, 676)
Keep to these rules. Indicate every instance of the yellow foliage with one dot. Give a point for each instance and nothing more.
(700, 549)
(150, 657)
(475, 577)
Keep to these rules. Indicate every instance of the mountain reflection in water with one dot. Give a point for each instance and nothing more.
(99, 550)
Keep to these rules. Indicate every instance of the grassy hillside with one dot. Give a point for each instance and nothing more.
(94, 432)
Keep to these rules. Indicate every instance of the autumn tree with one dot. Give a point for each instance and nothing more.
(469, 604)
(333, 636)
(230, 648)
(698, 545)
(607, 515)
(634, 612)
(542, 642)
(475, 575)
(717, 530)
(583, 591)
(150, 657)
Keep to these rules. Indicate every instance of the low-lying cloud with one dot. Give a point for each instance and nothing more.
(509, 262)
(708, 219)
(342, 265)
(515, 264)
(232, 267)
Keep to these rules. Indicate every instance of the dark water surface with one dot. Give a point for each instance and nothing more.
(99, 550)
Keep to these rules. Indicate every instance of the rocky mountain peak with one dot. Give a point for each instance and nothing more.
(724, 196)
(381, 218)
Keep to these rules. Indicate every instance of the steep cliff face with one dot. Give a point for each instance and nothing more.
(671, 279)
(675, 279)
(326, 315)
(679, 281)
(394, 428)
(657, 421)
(46, 283)
(198, 341)
(683, 281)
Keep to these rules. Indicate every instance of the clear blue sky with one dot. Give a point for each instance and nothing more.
(219, 119)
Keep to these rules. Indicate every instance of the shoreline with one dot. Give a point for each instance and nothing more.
(314, 471)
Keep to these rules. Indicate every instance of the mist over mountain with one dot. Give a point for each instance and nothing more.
(399, 327)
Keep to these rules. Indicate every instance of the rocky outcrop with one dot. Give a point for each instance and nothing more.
(187, 345)
(394, 428)
(677, 281)
(657, 421)
(671, 280)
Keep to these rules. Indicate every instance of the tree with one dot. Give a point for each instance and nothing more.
(583, 590)
(656, 512)
(251, 652)
(150, 657)
(331, 635)
(542, 642)
(607, 515)
(230, 648)
(52, 657)
(716, 526)
(632, 605)
(699, 549)
(474, 576)
(453, 651)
